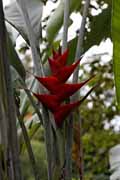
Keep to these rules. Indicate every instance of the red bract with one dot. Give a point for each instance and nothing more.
(56, 87)
(51, 83)
(67, 90)
(50, 101)
(59, 62)
(64, 73)
(63, 111)
(56, 54)
(59, 90)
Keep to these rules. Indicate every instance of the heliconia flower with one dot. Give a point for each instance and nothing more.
(64, 73)
(64, 91)
(50, 101)
(59, 62)
(58, 89)
(63, 111)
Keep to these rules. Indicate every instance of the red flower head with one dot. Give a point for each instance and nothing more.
(59, 90)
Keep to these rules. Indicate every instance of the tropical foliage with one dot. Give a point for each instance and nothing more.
(42, 144)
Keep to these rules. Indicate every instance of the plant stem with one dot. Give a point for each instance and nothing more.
(13, 151)
(65, 24)
(81, 169)
(81, 38)
(75, 76)
(32, 102)
(29, 147)
(39, 71)
(1, 173)
(69, 128)
(48, 141)
(25, 98)
(69, 141)
(3, 142)
(31, 37)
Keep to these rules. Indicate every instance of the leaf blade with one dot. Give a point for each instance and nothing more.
(116, 41)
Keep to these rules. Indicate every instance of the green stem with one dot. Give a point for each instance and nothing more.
(32, 101)
(48, 141)
(69, 141)
(65, 24)
(75, 76)
(14, 169)
(69, 134)
(29, 147)
(25, 97)
(39, 71)
(61, 147)
(79, 48)
(31, 37)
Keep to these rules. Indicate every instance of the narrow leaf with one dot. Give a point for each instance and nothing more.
(15, 60)
(116, 42)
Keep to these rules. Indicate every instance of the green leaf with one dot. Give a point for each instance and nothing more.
(116, 41)
(55, 22)
(56, 19)
(31, 132)
(14, 17)
(15, 61)
(114, 156)
(100, 29)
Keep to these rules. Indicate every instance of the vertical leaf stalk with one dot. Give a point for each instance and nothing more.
(31, 36)
(69, 128)
(79, 48)
(39, 71)
(48, 141)
(75, 76)
(29, 147)
(65, 24)
(14, 170)
(69, 141)
(32, 102)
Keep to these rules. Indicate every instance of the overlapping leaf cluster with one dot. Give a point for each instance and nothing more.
(59, 90)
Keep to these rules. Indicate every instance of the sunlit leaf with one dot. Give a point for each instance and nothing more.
(100, 30)
(116, 42)
(56, 19)
(15, 60)
(14, 16)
